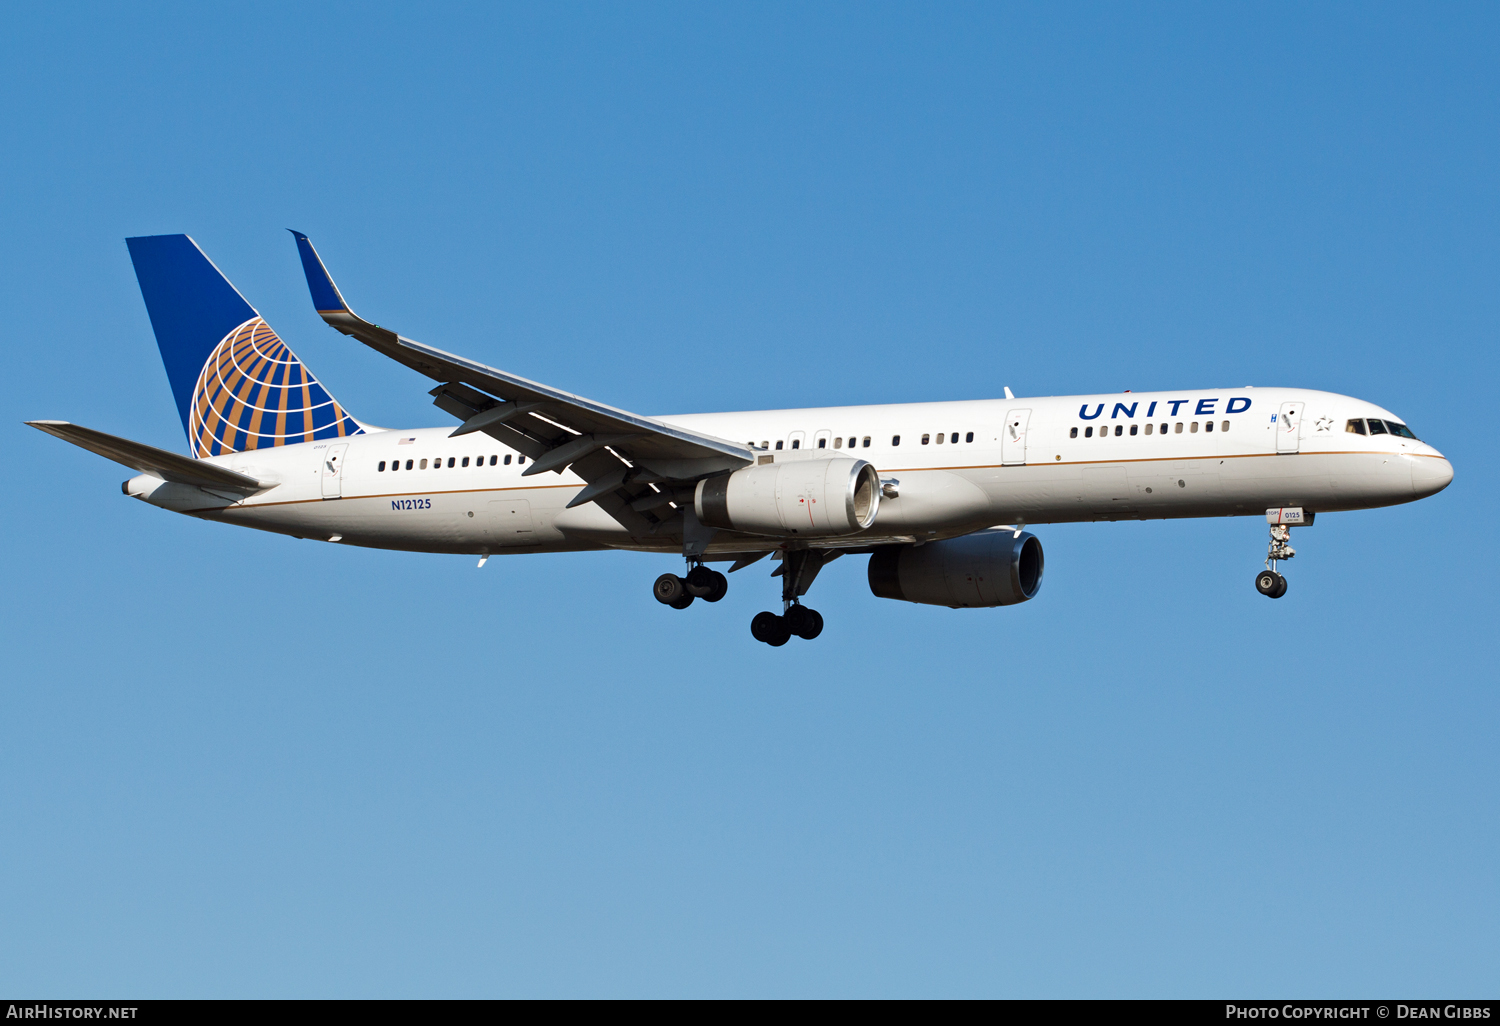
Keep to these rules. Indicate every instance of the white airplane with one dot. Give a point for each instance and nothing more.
(937, 494)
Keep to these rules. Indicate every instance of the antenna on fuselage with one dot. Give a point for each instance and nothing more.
(1007, 393)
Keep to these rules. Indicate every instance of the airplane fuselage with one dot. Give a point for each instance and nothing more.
(952, 467)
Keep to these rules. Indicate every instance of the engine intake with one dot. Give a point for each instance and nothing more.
(987, 568)
(807, 498)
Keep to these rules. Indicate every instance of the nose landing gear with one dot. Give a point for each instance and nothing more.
(1268, 582)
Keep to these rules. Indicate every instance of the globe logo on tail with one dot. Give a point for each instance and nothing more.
(253, 393)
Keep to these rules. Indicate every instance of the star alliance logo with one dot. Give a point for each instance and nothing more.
(1324, 423)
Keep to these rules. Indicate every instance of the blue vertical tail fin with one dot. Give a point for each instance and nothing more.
(237, 385)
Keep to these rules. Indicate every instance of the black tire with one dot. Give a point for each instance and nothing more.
(668, 589)
(1280, 588)
(783, 634)
(810, 623)
(803, 622)
(720, 588)
(683, 602)
(699, 581)
(1266, 582)
(762, 625)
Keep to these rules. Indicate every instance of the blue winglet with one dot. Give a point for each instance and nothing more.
(325, 294)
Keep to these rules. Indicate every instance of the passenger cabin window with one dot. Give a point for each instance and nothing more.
(423, 465)
(1376, 427)
(969, 437)
(822, 443)
(1162, 430)
(838, 443)
(382, 466)
(1134, 428)
(507, 459)
(1178, 429)
(926, 439)
(866, 442)
(1208, 426)
(778, 444)
(1148, 429)
(1193, 430)
(520, 460)
(1119, 430)
(940, 438)
(1073, 433)
(465, 463)
(954, 438)
(1356, 426)
(1224, 426)
(1088, 432)
(796, 443)
(494, 458)
(408, 464)
(895, 439)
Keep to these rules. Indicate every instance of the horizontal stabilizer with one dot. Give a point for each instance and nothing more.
(148, 459)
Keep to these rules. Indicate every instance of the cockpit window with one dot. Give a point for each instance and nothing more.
(1376, 427)
(1356, 426)
(1400, 430)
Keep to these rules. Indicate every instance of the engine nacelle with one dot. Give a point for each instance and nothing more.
(807, 498)
(987, 568)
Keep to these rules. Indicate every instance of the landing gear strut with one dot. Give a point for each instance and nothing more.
(798, 568)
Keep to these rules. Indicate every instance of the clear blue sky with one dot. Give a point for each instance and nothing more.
(238, 764)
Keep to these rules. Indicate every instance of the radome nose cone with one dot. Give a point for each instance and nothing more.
(1430, 475)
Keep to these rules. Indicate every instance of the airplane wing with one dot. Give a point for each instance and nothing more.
(633, 464)
(148, 459)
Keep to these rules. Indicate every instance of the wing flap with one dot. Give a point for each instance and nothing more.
(148, 459)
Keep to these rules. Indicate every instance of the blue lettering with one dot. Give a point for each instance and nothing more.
(1083, 411)
(395, 504)
(1238, 399)
(1174, 403)
(1151, 410)
(1129, 410)
(1205, 408)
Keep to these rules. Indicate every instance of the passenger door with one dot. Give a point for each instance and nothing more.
(1013, 438)
(333, 471)
(1288, 426)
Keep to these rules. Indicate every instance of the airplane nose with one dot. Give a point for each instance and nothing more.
(1430, 475)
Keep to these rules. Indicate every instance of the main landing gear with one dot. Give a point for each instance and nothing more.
(778, 630)
(700, 582)
(798, 568)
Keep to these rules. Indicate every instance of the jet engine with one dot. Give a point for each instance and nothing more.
(808, 498)
(987, 568)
